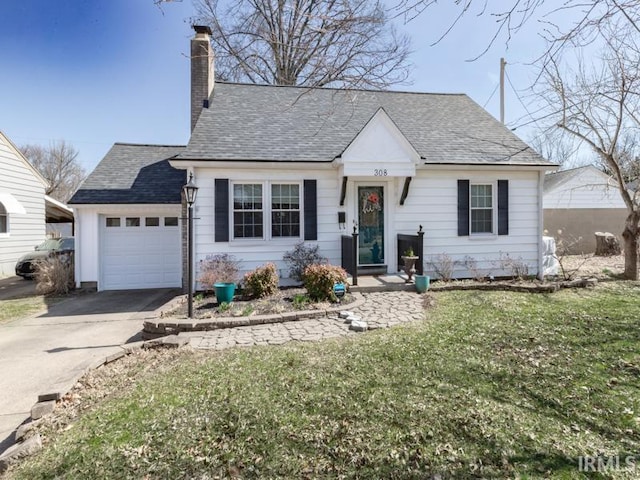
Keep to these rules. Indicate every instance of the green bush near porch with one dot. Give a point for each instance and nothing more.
(491, 385)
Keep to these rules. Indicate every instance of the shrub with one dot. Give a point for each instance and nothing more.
(517, 267)
(319, 281)
(54, 275)
(221, 268)
(443, 266)
(262, 282)
(300, 258)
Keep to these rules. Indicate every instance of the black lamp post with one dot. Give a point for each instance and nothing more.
(190, 192)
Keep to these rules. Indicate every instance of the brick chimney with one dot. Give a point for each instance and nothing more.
(202, 71)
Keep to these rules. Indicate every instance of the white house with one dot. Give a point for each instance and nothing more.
(579, 202)
(22, 206)
(279, 165)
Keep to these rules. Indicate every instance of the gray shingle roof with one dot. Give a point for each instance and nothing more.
(132, 173)
(552, 180)
(273, 123)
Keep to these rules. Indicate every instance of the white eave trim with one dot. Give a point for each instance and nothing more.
(252, 164)
(11, 204)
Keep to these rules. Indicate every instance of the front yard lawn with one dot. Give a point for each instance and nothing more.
(490, 385)
(16, 308)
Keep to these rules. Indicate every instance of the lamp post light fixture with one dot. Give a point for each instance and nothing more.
(190, 192)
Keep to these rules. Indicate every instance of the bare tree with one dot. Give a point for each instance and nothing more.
(59, 166)
(510, 17)
(599, 103)
(555, 145)
(340, 43)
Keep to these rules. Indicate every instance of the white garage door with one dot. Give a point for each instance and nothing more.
(140, 252)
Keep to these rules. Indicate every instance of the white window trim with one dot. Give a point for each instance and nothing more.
(7, 216)
(266, 211)
(494, 211)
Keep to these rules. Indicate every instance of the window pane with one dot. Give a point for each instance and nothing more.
(247, 206)
(113, 222)
(170, 221)
(3, 224)
(482, 220)
(133, 222)
(481, 196)
(285, 210)
(152, 222)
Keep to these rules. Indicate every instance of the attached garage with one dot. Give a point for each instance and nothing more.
(140, 252)
(128, 220)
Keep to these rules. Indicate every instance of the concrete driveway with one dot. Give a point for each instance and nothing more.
(16, 287)
(44, 351)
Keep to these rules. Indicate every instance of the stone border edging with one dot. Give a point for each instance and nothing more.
(542, 288)
(158, 327)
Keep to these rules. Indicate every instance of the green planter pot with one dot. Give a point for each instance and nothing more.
(422, 283)
(224, 292)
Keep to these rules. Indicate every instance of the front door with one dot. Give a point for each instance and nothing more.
(371, 225)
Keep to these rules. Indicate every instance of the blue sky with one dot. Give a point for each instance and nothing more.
(95, 72)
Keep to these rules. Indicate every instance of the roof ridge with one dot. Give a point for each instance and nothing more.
(337, 89)
(128, 144)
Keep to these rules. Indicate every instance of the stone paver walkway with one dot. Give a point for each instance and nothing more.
(380, 310)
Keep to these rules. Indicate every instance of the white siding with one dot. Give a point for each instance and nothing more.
(253, 253)
(432, 203)
(590, 189)
(25, 230)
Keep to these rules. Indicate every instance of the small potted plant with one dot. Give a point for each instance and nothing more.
(409, 258)
(221, 273)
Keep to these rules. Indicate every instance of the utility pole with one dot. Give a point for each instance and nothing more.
(502, 65)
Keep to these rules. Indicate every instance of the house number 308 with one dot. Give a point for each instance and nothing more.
(380, 172)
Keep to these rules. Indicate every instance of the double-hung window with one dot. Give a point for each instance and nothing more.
(266, 210)
(481, 206)
(248, 213)
(285, 210)
(4, 220)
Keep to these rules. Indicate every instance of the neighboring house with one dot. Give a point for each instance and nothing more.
(279, 165)
(22, 206)
(580, 202)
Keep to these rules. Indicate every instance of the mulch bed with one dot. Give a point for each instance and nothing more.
(285, 300)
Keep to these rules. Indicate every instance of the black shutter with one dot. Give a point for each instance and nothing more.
(463, 208)
(503, 207)
(310, 210)
(221, 209)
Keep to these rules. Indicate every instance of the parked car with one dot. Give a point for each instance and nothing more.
(53, 246)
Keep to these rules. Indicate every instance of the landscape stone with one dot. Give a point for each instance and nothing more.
(41, 409)
(358, 326)
(20, 450)
(345, 314)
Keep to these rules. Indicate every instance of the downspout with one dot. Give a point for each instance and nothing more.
(540, 223)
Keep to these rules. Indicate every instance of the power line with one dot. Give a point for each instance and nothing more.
(519, 99)
(491, 96)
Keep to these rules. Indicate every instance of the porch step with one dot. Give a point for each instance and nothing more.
(381, 283)
(372, 270)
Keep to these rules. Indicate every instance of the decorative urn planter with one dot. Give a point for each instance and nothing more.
(409, 266)
(224, 292)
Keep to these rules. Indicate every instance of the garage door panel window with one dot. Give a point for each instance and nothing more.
(113, 221)
(133, 221)
(152, 222)
(170, 221)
